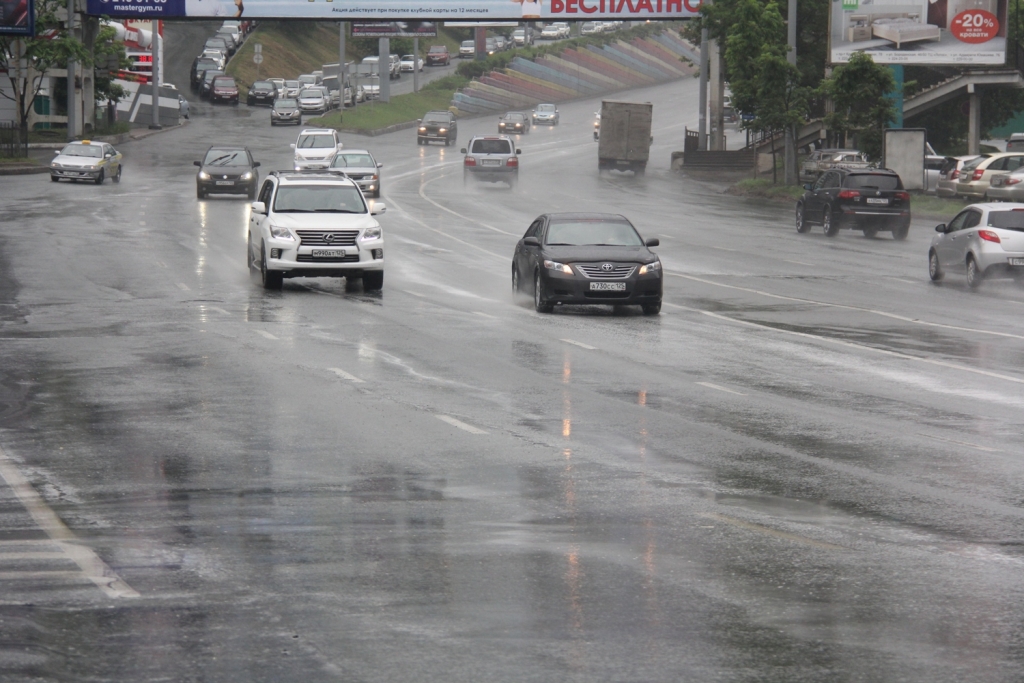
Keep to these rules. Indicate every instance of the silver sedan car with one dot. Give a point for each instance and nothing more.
(949, 174)
(982, 241)
(1007, 187)
(361, 168)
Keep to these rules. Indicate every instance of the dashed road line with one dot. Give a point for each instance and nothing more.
(485, 315)
(986, 449)
(460, 424)
(266, 334)
(588, 347)
(768, 531)
(709, 385)
(183, 287)
(344, 375)
(799, 263)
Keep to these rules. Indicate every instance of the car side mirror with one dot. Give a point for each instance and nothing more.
(255, 164)
(108, 155)
(519, 151)
(531, 242)
(808, 186)
(258, 207)
(941, 227)
(197, 163)
(462, 151)
(380, 165)
(292, 145)
(56, 152)
(653, 242)
(378, 208)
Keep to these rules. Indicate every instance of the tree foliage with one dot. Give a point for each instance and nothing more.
(858, 90)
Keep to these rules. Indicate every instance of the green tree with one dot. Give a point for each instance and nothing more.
(858, 90)
(45, 51)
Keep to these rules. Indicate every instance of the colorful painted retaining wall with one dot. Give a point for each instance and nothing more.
(579, 72)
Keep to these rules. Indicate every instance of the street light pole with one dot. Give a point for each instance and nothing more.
(155, 125)
(71, 71)
(790, 159)
(702, 121)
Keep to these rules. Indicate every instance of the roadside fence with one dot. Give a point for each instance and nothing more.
(11, 144)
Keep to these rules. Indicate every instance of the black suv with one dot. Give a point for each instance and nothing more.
(261, 92)
(437, 125)
(859, 199)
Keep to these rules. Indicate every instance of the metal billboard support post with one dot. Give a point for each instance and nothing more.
(342, 71)
(71, 71)
(789, 172)
(702, 125)
(384, 61)
(415, 60)
(155, 125)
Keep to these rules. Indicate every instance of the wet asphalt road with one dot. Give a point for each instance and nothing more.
(808, 468)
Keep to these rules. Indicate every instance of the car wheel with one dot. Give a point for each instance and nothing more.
(270, 279)
(652, 309)
(540, 301)
(899, 234)
(517, 287)
(831, 229)
(870, 232)
(801, 224)
(100, 177)
(248, 255)
(54, 179)
(117, 176)
(934, 269)
(373, 281)
(974, 276)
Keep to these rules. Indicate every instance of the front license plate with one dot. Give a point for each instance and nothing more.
(874, 200)
(225, 182)
(608, 286)
(328, 253)
(1016, 261)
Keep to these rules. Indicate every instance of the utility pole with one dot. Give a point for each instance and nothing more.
(717, 98)
(155, 125)
(342, 71)
(384, 68)
(415, 64)
(72, 71)
(702, 125)
(790, 159)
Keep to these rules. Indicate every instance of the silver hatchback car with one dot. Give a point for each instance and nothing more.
(983, 240)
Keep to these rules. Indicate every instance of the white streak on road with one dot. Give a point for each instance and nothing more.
(588, 347)
(266, 334)
(709, 385)
(460, 424)
(962, 443)
(344, 375)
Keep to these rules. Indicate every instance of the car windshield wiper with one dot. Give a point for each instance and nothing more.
(216, 161)
(334, 211)
(560, 244)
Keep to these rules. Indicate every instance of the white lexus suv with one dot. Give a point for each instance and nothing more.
(315, 224)
(315, 147)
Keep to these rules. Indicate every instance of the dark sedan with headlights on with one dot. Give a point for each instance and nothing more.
(586, 258)
(227, 170)
(514, 122)
(261, 92)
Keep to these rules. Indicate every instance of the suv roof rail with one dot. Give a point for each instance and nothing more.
(326, 172)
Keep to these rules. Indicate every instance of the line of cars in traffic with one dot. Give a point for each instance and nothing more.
(208, 76)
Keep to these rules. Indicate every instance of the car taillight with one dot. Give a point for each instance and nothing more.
(978, 172)
(989, 236)
(470, 161)
(905, 196)
(512, 161)
(849, 194)
(954, 175)
(1012, 181)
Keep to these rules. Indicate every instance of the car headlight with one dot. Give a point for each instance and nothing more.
(203, 175)
(423, 129)
(281, 233)
(560, 267)
(247, 175)
(371, 234)
(442, 130)
(55, 165)
(650, 268)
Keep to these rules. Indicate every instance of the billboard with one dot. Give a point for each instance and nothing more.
(387, 10)
(930, 32)
(17, 17)
(394, 29)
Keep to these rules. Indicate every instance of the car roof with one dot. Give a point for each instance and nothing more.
(227, 148)
(355, 151)
(996, 206)
(306, 177)
(317, 131)
(587, 216)
(490, 137)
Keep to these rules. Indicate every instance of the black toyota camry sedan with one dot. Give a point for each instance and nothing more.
(586, 258)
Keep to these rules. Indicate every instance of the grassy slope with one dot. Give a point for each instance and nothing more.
(401, 108)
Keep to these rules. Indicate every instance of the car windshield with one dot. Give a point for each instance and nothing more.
(468, 43)
(597, 232)
(311, 141)
(546, 107)
(438, 48)
(491, 147)
(407, 58)
(224, 82)
(318, 199)
(435, 119)
(263, 84)
(291, 84)
(353, 161)
(93, 151)
(513, 117)
(973, 163)
(210, 75)
(226, 157)
(284, 104)
(307, 79)
(876, 181)
(1007, 220)
(310, 92)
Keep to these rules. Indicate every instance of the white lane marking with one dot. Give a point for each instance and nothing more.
(40, 574)
(423, 186)
(899, 279)
(38, 555)
(485, 315)
(183, 287)
(460, 424)
(721, 248)
(161, 264)
(94, 569)
(863, 347)
(799, 263)
(709, 385)
(501, 258)
(588, 347)
(826, 304)
(422, 296)
(266, 334)
(761, 529)
(219, 310)
(344, 375)
(961, 443)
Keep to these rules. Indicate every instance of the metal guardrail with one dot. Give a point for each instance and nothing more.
(11, 144)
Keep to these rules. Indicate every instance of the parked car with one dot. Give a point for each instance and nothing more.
(1007, 187)
(1015, 143)
(411, 63)
(227, 170)
(467, 50)
(513, 122)
(976, 175)
(585, 258)
(868, 200)
(224, 89)
(437, 125)
(492, 159)
(546, 113)
(982, 241)
(360, 166)
(261, 92)
(822, 160)
(438, 55)
(949, 174)
(285, 110)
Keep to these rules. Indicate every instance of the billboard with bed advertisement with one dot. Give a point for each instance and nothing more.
(582, 10)
(954, 32)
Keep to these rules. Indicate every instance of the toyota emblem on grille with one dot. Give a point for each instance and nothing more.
(607, 267)
(329, 237)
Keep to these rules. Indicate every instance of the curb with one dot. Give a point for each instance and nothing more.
(24, 170)
(384, 131)
(118, 139)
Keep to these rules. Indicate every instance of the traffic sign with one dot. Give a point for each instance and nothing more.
(258, 47)
(257, 58)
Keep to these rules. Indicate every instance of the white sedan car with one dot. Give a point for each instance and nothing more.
(411, 63)
(983, 240)
(86, 160)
